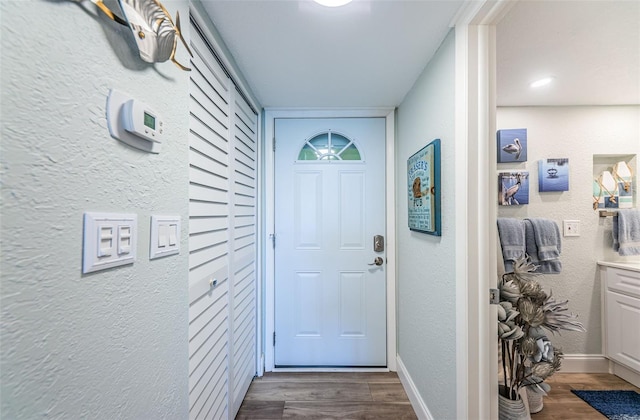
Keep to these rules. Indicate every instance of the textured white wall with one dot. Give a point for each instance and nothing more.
(576, 133)
(111, 344)
(426, 264)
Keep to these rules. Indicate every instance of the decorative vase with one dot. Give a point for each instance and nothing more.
(535, 401)
(509, 409)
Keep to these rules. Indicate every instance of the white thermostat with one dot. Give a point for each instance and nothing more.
(139, 119)
(133, 122)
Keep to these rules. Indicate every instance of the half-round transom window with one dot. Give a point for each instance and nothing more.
(329, 146)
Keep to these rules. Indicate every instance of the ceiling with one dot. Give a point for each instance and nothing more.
(591, 48)
(296, 53)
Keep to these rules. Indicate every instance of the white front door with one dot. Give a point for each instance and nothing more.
(330, 296)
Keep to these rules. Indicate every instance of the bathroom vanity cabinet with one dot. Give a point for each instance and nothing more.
(621, 318)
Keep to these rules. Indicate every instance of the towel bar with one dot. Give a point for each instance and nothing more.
(605, 213)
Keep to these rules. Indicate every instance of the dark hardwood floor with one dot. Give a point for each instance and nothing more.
(380, 396)
(353, 395)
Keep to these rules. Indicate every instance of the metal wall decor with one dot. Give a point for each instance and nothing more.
(153, 29)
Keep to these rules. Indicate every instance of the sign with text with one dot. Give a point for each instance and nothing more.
(423, 182)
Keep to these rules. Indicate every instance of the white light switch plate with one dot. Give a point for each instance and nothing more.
(109, 240)
(165, 236)
(571, 227)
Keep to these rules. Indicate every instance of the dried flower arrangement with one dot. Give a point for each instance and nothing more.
(525, 315)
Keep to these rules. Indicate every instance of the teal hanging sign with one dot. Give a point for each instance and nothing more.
(423, 185)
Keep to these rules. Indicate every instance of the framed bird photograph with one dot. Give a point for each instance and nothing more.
(553, 175)
(423, 188)
(513, 188)
(512, 145)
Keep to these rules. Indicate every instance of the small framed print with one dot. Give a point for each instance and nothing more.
(553, 175)
(423, 185)
(512, 145)
(513, 188)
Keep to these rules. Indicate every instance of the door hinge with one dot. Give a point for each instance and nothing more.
(272, 236)
(274, 144)
(274, 339)
(494, 296)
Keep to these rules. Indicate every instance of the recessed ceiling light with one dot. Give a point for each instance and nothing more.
(333, 3)
(541, 82)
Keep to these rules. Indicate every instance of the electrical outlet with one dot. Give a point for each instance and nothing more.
(571, 227)
(494, 296)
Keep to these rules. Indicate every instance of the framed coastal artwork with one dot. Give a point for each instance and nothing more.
(553, 175)
(512, 145)
(613, 183)
(423, 189)
(513, 188)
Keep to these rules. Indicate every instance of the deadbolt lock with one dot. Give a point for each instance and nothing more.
(378, 243)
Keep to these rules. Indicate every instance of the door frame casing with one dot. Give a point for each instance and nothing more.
(475, 115)
(268, 304)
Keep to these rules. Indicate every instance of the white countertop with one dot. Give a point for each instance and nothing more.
(631, 265)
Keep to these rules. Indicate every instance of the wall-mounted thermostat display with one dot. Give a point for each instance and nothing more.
(134, 122)
(139, 119)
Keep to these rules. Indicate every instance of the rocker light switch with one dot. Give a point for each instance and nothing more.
(173, 234)
(109, 240)
(162, 235)
(106, 241)
(165, 236)
(124, 239)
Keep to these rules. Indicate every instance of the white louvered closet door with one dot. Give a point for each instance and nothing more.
(244, 249)
(222, 239)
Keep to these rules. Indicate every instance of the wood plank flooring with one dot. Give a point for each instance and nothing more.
(315, 395)
(562, 404)
(380, 396)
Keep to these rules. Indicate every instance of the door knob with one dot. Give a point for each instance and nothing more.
(377, 261)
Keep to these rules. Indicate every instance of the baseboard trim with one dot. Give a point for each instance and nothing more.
(625, 373)
(329, 369)
(584, 363)
(416, 400)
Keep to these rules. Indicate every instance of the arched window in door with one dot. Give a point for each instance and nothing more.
(329, 146)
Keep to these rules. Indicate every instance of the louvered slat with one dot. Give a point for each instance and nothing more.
(209, 211)
(244, 245)
(222, 238)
